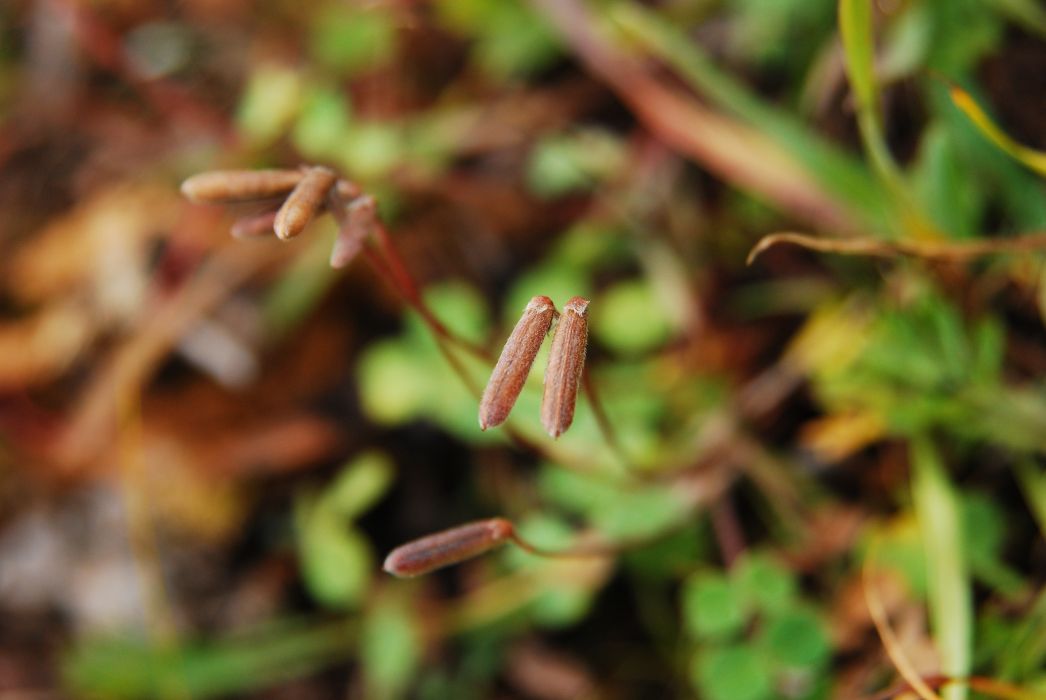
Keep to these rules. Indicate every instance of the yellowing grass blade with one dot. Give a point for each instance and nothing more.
(1036, 160)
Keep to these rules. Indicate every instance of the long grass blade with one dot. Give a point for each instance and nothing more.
(836, 170)
(858, 37)
(937, 506)
(1033, 484)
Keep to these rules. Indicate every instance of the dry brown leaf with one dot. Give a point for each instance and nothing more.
(38, 348)
(835, 437)
(100, 249)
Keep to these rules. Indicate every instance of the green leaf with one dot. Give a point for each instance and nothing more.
(630, 318)
(460, 308)
(510, 39)
(390, 648)
(668, 557)
(712, 606)
(765, 584)
(359, 484)
(350, 39)
(731, 673)
(951, 605)
(797, 638)
(561, 606)
(370, 150)
(640, 512)
(946, 185)
(336, 560)
(269, 103)
(322, 124)
(575, 492)
(576, 161)
(395, 383)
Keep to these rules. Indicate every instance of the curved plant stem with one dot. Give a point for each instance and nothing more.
(882, 625)
(398, 270)
(931, 250)
(387, 261)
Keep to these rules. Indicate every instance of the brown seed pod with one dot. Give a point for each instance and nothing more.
(230, 186)
(448, 547)
(307, 198)
(510, 373)
(357, 224)
(566, 361)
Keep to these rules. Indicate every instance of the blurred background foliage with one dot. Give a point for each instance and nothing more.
(207, 446)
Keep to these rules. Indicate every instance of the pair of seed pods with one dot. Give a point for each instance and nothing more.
(566, 361)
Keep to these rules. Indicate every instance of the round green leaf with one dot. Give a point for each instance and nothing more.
(350, 40)
(731, 673)
(630, 318)
(765, 584)
(797, 639)
(336, 560)
(712, 608)
(394, 382)
(359, 484)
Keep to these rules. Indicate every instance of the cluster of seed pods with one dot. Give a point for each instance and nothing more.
(290, 200)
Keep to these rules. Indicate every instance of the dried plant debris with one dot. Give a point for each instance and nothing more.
(448, 547)
(517, 357)
(565, 364)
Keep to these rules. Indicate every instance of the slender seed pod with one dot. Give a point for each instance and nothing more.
(448, 547)
(307, 198)
(229, 186)
(510, 373)
(566, 361)
(357, 224)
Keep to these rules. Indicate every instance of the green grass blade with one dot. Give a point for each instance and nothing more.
(1033, 484)
(126, 667)
(855, 30)
(937, 507)
(1027, 13)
